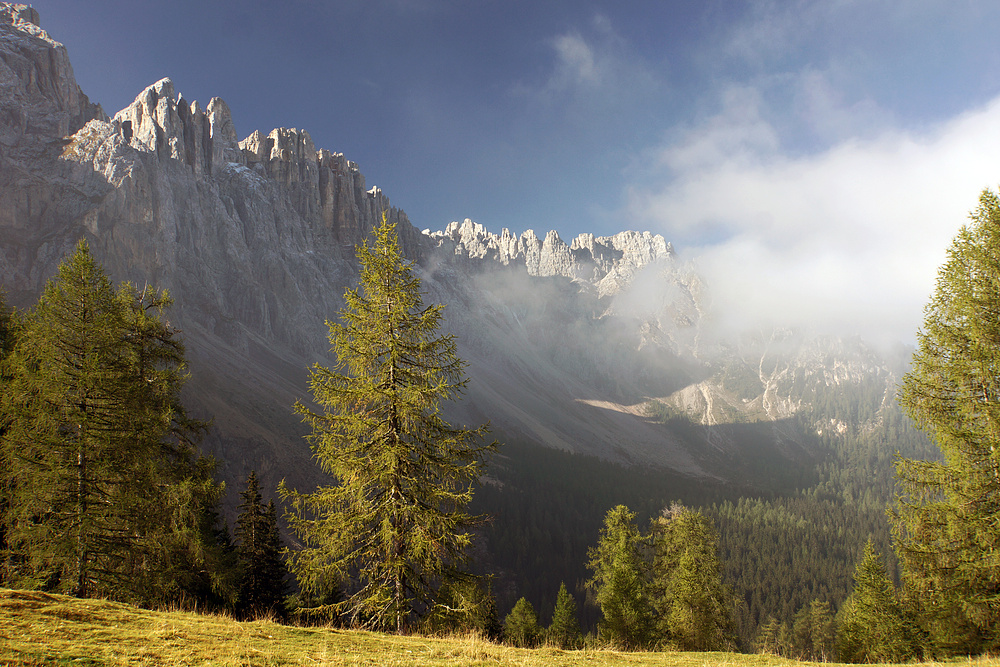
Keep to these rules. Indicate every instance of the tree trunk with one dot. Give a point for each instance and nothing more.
(81, 507)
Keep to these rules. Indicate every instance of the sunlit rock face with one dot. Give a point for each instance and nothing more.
(607, 262)
(566, 343)
(254, 239)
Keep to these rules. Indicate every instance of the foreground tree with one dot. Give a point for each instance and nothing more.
(872, 627)
(394, 523)
(619, 582)
(261, 588)
(520, 628)
(8, 335)
(106, 494)
(945, 514)
(564, 632)
(692, 606)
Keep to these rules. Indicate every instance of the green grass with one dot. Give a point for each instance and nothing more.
(43, 629)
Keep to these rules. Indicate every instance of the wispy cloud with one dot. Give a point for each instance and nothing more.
(576, 63)
(592, 62)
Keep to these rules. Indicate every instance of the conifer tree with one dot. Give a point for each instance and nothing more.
(813, 634)
(945, 514)
(564, 631)
(619, 581)
(802, 634)
(872, 627)
(262, 587)
(106, 494)
(393, 524)
(823, 631)
(692, 606)
(521, 625)
(769, 638)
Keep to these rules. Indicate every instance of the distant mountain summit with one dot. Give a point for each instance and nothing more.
(568, 345)
(607, 262)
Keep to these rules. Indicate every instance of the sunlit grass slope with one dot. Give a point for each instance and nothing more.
(43, 629)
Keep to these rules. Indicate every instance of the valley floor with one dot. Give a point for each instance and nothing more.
(40, 628)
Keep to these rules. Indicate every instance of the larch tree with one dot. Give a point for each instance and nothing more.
(107, 496)
(564, 631)
(945, 515)
(8, 334)
(520, 628)
(393, 525)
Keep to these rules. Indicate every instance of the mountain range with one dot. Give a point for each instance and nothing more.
(603, 346)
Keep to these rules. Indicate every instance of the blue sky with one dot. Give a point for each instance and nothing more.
(814, 159)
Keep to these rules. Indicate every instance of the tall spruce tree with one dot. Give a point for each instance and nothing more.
(393, 525)
(619, 581)
(262, 587)
(872, 626)
(945, 522)
(692, 606)
(106, 494)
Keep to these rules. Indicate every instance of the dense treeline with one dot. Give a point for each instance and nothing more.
(782, 548)
(546, 509)
(782, 553)
(103, 492)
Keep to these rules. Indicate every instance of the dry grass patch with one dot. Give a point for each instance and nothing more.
(43, 629)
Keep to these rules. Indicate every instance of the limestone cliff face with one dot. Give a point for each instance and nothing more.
(39, 97)
(254, 239)
(165, 193)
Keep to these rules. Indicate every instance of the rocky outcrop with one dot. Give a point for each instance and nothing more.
(164, 123)
(254, 239)
(607, 262)
(39, 96)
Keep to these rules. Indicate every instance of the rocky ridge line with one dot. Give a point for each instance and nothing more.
(608, 262)
(321, 185)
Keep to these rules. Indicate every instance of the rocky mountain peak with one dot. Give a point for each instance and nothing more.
(39, 96)
(565, 340)
(163, 123)
(607, 262)
(12, 13)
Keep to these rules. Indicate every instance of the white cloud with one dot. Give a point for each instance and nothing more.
(739, 130)
(846, 241)
(594, 66)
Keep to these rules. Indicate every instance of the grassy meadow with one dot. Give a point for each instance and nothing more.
(43, 629)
